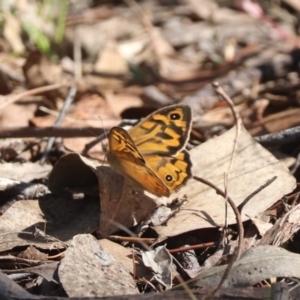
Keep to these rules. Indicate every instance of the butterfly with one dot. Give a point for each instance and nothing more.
(152, 154)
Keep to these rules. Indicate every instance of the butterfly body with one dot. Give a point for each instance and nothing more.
(151, 153)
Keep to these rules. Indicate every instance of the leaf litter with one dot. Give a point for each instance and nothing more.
(146, 65)
(100, 273)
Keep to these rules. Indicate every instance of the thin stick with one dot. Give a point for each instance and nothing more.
(240, 234)
(279, 138)
(13, 98)
(237, 119)
(296, 165)
(241, 206)
(194, 247)
(58, 121)
(77, 56)
(238, 122)
(239, 223)
(231, 203)
(103, 136)
(64, 132)
(237, 252)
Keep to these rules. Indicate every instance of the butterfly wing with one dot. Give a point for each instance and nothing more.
(149, 154)
(173, 171)
(165, 132)
(126, 159)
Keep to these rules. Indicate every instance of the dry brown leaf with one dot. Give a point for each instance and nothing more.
(160, 262)
(16, 265)
(12, 31)
(261, 226)
(24, 172)
(95, 273)
(253, 166)
(256, 264)
(92, 111)
(204, 9)
(131, 49)
(71, 172)
(14, 115)
(28, 214)
(60, 218)
(47, 270)
(120, 102)
(111, 61)
(132, 263)
(283, 229)
(121, 202)
(277, 121)
(33, 253)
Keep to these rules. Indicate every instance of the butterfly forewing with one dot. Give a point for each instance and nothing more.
(166, 131)
(121, 144)
(126, 159)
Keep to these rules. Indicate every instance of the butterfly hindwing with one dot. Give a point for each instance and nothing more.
(174, 171)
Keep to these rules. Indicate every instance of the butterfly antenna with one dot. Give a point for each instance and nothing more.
(98, 139)
(104, 130)
(104, 135)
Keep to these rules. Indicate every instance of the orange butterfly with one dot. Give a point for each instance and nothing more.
(152, 153)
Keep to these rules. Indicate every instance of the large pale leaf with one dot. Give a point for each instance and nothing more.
(124, 204)
(257, 264)
(253, 166)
